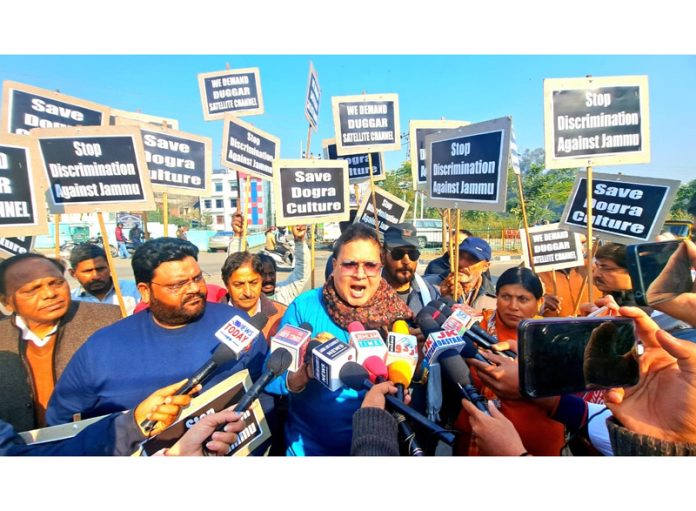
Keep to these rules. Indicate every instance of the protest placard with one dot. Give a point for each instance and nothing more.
(22, 187)
(366, 124)
(596, 121)
(390, 210)
(95, 169)
(358, 164)
(26, 107)
(247, 149)
(233, 91)
(467, 166)
(310, 191)
(313, 98)
(14, 246)
(553, 248)
(624, 208)
(418, 130)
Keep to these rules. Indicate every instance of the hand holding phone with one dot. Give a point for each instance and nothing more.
(563, 355)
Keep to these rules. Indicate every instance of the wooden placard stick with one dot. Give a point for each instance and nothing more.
(584, 283)
(444, 230)
(526, 223)
(110, 262)
(372, 191)
(56, 221)
(247, 188)
(589, 232)
(456, 261)
(313, 230)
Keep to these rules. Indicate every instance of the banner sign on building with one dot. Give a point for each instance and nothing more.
(310, 191)
(418, 130)
(366, 124)
(467, 166)
(247, 149)
(596, 121)
(95, 169)
(25, 107)
(624, 208)
(553, 248)
(234, 91)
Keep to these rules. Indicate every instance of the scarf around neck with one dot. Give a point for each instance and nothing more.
(381, 310)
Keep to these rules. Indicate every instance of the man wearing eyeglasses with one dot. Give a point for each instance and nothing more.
(400, 255)
(169, 341)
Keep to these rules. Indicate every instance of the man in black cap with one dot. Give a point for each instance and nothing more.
(400, 256)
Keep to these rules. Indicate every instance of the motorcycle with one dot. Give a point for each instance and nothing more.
(285, 258)
(67, 247)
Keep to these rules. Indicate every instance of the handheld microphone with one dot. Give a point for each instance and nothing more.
(367, 343)
(327, 361)
(356, 377)
(376, 369)
(401, 345)
(456, 370)
(277, 364)
(294, 340)
(400, 373)
(236, 337)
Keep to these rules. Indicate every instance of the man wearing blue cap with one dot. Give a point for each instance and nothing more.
(475, 289)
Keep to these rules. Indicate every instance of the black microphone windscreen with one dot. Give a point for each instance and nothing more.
(353, 375)
(310, 347)
(259, 321)
(454, 367)
(428, 325)
(469, 350)
(447, 300)
(279, 361)
(223, 354)
(306, 326)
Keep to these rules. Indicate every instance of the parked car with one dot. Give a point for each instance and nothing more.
(429, 232)
(220, 241)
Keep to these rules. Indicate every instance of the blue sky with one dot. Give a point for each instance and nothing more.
(462, 87)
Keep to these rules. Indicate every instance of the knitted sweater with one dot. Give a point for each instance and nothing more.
(375, 433)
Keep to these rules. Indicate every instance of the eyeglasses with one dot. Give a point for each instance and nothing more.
(399, 253)
(371, 268)
(177, 287)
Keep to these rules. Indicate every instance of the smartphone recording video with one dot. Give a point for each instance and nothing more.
(659, 271)
(563, 355)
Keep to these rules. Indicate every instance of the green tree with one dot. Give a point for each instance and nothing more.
(681, 201)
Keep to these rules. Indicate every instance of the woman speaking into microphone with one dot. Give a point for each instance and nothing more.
(319, 421)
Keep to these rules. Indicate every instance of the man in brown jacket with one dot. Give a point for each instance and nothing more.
(40, 336)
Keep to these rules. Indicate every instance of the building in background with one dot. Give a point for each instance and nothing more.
(224, 200)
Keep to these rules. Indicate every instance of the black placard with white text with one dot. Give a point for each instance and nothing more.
(624, 207)
(247, 149)
(313, 98)
(552, 248)
(366, 124)
(310, 191)
(95, 168)
(467, 167)
(390, 210)
(418, 130)
(596, 121)
(358, 164)
(15, 246)
(22, 206)
(234, 91)
(178, 160)
(26, 107)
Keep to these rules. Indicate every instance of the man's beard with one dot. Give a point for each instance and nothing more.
(176, 316)
(402, 276)
(97, 286)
